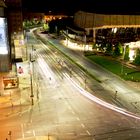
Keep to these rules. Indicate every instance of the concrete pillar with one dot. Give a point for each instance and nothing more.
(94, 35)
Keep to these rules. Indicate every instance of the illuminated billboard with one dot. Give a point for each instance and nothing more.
(3, 36)
(10, 82)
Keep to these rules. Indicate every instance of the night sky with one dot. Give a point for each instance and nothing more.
(71, 6)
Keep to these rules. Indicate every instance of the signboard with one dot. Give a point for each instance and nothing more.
(3, 36)
(20, 70)
(10, 82)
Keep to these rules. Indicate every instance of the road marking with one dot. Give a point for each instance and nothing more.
(69, 107)
(88, 132)
(70, 133)
(83, 125)
(78, 118)
(73, 112)
(83, 134)
(33, 132)
(29, 132)
(22, 131)
(66, 103)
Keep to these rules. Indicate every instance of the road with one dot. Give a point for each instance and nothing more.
(127, 95)
(61, 110)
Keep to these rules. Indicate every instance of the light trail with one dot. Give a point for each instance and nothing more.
(99, 101)
(49, 74)
(46, 70)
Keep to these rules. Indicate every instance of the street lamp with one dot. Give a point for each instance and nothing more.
(31, 76)
(85, 40)
(31, 80)
(124, 47)
(67, 34)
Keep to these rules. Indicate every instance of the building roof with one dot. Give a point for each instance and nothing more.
(76, 29)
(92, 20)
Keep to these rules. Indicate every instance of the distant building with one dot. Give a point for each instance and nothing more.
(91, 22)
(50, 17)
(33, 15)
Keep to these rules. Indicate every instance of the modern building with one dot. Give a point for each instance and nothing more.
(15, 28)
(92, 22)
(4, 40)
(105, 29)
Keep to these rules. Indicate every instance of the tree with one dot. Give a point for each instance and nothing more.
(137, 58)
(109, 49)
(126, 53)
(45, 26)
(117, 50)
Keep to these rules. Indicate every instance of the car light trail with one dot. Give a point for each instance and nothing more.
(99, 101)
(46, 70)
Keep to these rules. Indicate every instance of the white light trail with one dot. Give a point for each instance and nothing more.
(99, 101)
(46, 70)
(48, 73)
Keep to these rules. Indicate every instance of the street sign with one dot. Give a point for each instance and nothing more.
(20, 70)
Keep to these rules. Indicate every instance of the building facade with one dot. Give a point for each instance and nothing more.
(4, 41)
(92, 20)
(15, 28)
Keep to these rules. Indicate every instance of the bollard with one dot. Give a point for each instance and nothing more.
(10, 133)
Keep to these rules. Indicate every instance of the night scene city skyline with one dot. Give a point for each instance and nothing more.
(69, 70)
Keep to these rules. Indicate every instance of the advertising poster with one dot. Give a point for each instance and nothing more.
(3, 36)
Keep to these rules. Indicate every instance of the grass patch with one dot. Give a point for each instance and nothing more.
(116, 68)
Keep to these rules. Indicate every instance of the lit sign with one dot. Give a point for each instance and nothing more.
(3, 36)
(10, 82)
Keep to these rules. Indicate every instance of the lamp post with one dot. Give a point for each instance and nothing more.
(67, 34)
(31, 81)
(123, 59)
(32, 73)
(10, 134)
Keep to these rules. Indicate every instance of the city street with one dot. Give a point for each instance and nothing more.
(59, 107)
(127, 94)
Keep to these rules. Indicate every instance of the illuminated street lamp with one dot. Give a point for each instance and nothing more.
(122, 69)
(67, 36)
(31, 80)
(31, 75)
(85, 41)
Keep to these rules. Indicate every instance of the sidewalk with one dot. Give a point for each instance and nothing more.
(40, 138)
(15, 100)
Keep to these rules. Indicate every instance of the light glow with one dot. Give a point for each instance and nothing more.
(131, 54)
(3, 50)
(99, 101)
(3, 36)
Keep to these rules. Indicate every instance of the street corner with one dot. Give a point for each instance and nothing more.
(13, 111)
(12, 103)
(11, 108)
